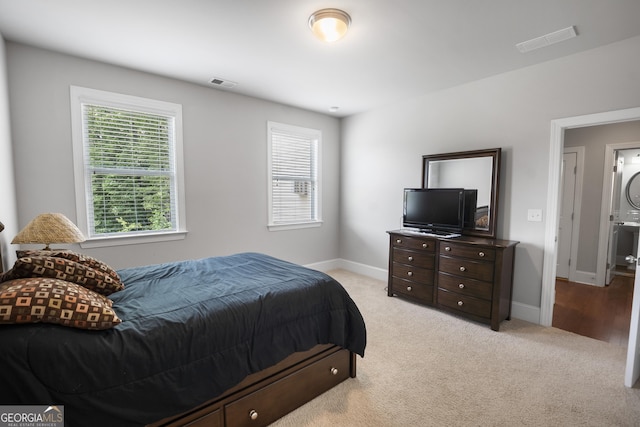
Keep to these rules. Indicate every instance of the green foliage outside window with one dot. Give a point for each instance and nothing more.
(130, 166)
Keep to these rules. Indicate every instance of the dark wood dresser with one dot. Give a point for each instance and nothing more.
(468, 276)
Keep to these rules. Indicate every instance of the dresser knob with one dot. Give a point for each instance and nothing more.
(424, 245)
(461, 285)
(463, 268)
(460, 303)
(398, 240)
(447, 248)
(334, 371)
(481, 254)
(410, 273)
(253, 414)
(410, 258)
(409, 288)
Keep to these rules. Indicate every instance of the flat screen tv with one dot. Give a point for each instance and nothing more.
(435, 210)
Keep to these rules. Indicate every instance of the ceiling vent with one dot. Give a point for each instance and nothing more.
(227, 84)
(547, 39)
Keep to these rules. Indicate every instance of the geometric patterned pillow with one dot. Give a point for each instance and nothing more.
(64, 269)
(41, 299)
(73, 256)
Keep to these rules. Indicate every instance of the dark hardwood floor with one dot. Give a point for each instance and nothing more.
(603, 313)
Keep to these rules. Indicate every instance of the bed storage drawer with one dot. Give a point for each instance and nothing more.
(283, 396)
(212, 419)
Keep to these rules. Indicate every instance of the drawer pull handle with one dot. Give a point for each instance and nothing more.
(461, 285)
(424, 245)
(409, 288)
(398, 240)
(409, 273)
(447, 248)
(334, 371)
(253, 414)
(410, 258)
(481, 254)
(463, 268)
(460, 303)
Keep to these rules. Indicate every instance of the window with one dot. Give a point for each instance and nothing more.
(128, 167)
(294, 176)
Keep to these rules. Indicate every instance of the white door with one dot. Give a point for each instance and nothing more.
(614, 217)
(633, 350)
(565, 223)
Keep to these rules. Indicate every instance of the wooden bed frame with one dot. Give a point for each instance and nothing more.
(267, 395)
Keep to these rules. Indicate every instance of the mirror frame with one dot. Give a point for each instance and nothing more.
(495, 154)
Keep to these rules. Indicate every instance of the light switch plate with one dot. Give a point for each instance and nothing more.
(534, 215)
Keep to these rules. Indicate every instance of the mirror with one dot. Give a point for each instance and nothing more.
(478, 172)
(633, 190)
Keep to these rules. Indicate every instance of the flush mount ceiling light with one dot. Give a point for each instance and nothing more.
(329, 25)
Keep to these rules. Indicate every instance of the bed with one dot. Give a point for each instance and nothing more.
(234, 340)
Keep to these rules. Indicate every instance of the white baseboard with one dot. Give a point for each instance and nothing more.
(325, 266)
(520, 311)
(586, 277)
(354, 267)
(525, 312)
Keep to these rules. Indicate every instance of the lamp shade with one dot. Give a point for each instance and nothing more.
(49, 228)
(329, 25)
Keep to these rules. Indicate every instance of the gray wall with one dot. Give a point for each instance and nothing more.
(225, 150)
(594, 139)
(8, 208)
(382, 149)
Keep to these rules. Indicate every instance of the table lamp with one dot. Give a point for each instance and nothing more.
(49, 228)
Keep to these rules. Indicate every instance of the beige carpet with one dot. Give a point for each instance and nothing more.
(423, 367)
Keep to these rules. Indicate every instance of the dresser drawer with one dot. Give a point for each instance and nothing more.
(415, 274)
(418, 243)
(467, 251)
(266, 405)
(412, 289)
(464, 303)
(466, 268)
(403, 256)
(465, 286)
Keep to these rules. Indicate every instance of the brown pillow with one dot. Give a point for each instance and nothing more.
(73, 256)
(64, 269)
(42, 299)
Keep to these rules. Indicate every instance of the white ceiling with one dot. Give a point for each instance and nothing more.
(394, 50)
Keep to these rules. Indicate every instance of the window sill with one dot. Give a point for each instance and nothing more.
(282, 227)
(132, 240)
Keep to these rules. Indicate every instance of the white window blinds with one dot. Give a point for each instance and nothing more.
(294, 177)
(130, 170)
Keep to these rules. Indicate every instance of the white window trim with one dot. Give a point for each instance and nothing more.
(314, 134)
(82, 95)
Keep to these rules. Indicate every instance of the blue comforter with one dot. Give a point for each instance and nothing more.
(190, 330)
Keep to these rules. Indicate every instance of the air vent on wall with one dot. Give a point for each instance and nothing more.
(228, 84)
(547, 39)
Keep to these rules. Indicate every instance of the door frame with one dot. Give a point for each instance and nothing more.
(558, 127)
(605, 207)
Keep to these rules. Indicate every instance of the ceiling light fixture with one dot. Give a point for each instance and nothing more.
(329, 25)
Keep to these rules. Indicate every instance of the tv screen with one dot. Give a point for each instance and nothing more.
(434, 209)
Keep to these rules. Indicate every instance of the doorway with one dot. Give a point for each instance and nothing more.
(583, 306)
(558, 128)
